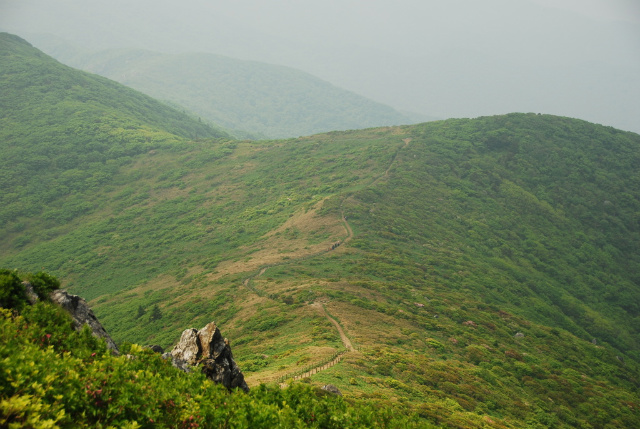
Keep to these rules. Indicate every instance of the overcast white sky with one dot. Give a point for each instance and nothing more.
(623, 10)
(442, 58)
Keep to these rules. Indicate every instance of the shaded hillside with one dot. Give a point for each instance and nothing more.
(63, 132)
(247, 96)
(535, 212)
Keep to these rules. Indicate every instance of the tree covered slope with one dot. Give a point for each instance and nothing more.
(64, 131)
(485, 271)
(250, 97)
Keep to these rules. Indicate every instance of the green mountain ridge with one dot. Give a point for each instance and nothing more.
(249, 97)
(63, 131)
(485, 271)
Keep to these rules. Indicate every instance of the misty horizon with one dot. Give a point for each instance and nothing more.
(453, 59)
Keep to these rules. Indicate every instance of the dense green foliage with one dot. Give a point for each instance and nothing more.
(12, 293)
(541, 214)
(64, 132)
(247, 96)
(43, 283)
(54, 377)
(487, 272)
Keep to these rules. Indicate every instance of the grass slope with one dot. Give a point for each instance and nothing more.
(54, 377)
(65, 133)
(248, 96)
(487, 273)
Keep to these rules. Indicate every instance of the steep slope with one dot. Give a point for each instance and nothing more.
(64, 132)
(486, 271)
(247, 96)
(480, 272)
(57, 375)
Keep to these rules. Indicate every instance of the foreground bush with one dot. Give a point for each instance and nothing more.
(52, 376)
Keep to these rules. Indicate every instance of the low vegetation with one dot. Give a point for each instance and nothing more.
(54, 377)
(64, 134)
(487, 272)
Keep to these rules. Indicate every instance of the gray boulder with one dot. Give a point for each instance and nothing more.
(32, 296)
(332, 389)
(188, 348)
(155, 348)
(82, 315)
(211, 352)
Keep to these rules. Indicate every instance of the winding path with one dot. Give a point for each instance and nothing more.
(318, 305)
(345, 340)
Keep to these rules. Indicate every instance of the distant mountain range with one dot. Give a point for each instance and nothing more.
(248, 98)
(445, 59)
(485, 272)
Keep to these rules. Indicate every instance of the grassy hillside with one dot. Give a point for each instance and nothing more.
(55, 377)
(486, 273)
(248, 96)
(65, 133)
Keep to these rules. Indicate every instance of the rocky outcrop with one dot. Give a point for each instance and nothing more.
(209, 351)
(205, 349)
(82, 315)
(31, 294)
(155, 348)
(332, 389)
(188, 349)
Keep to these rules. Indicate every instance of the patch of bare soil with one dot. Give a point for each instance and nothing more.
(277, 246)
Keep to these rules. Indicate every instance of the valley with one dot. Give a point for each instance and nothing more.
(478, 272)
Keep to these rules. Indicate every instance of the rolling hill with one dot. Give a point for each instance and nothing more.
(484, 271)
(248, 97)
(64, 132)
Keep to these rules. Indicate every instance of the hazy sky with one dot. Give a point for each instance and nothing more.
(623, 10)
(443, 58)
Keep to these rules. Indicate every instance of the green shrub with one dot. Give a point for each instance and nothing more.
(50, 325)
(52, 376)
(12, 293)
(43, 283)
(435, 344)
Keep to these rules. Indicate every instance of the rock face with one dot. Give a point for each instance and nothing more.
(32, 296)
(82, 315)
(205, 348)
(188, 348)
(209, 350)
